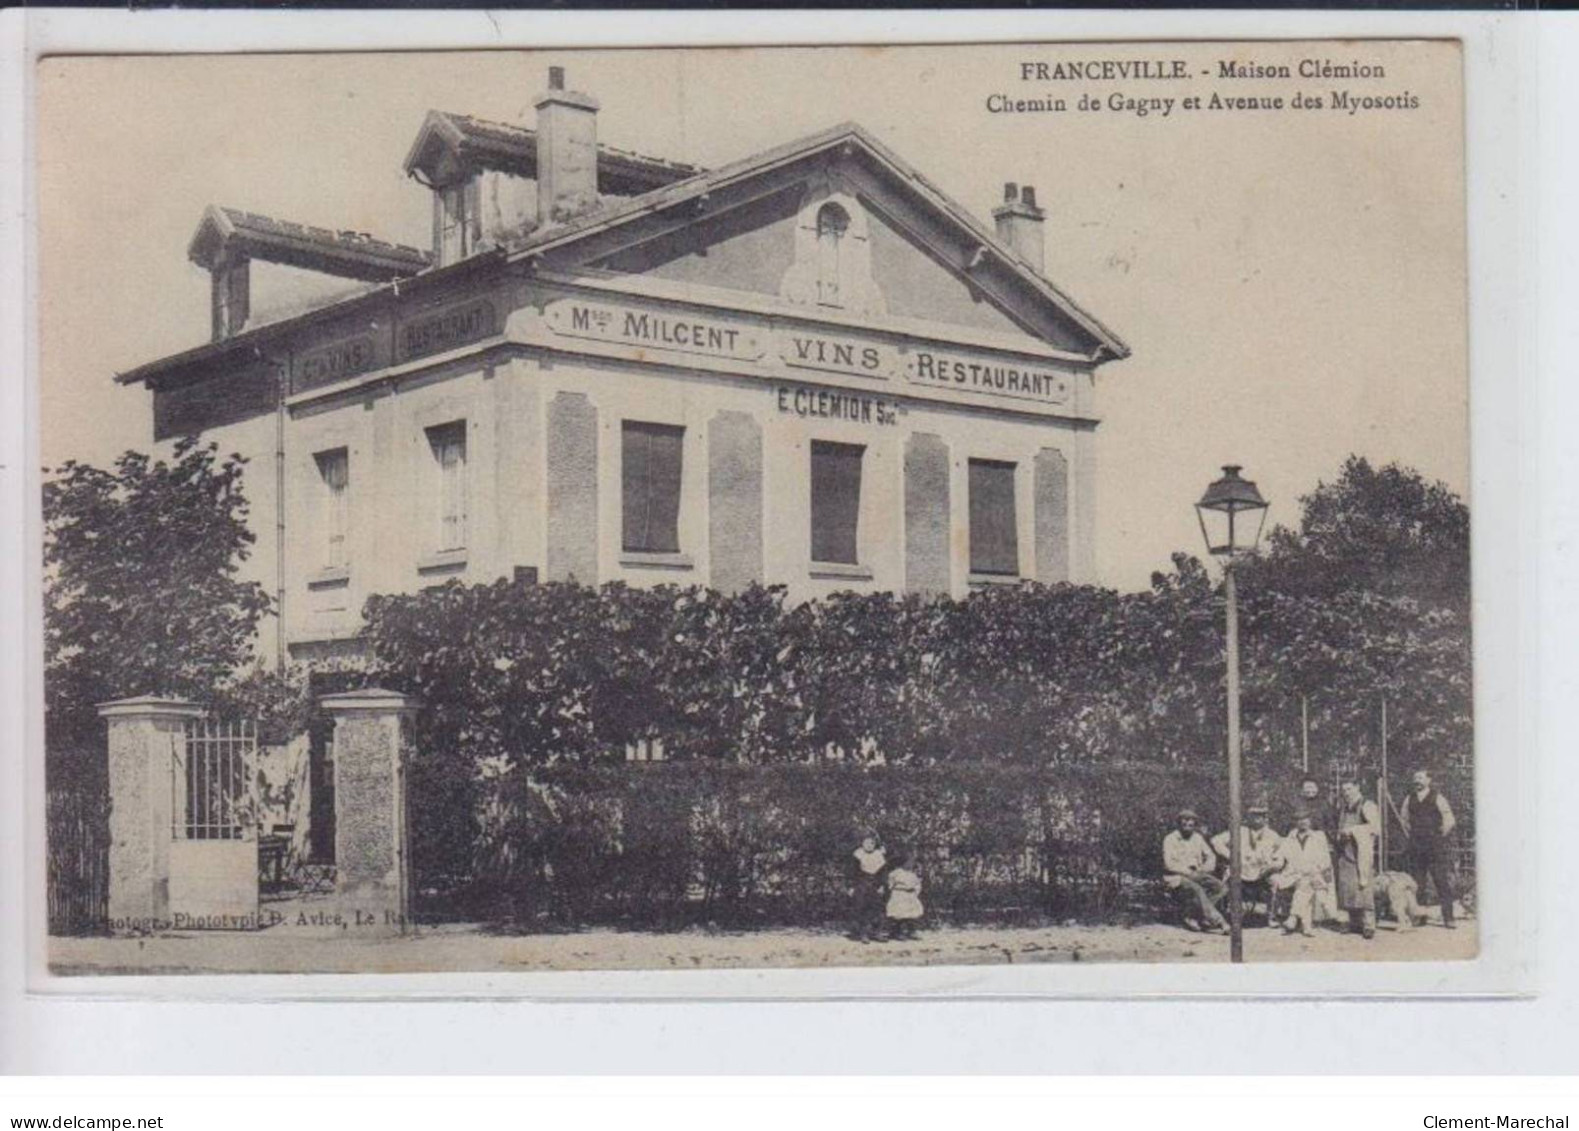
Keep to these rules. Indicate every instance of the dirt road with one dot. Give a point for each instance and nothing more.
(327, 949)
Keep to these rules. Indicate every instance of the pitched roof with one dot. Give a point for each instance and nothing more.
(611, 213)
(513, 149)
(847, 136)
(226, 232)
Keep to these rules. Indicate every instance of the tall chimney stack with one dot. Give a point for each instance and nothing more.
(1019, 223)
(567, 151)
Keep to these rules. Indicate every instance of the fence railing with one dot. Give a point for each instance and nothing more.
(211, 783)
(77, 824)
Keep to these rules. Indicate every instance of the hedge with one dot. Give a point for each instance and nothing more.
(1030, 743)
(674, 843)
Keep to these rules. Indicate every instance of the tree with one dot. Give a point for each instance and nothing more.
(1368, 599)
(142, 592)
(1380, 530)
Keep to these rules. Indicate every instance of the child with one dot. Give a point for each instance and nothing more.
(871, 865)
(904, 899)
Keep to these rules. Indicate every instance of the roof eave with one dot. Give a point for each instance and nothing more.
(255, 338)
(437, 125)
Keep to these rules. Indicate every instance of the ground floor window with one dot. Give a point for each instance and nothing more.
(994, 534)
(650, 465)
(835, 501)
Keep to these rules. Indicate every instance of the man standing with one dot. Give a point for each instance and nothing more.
(1428, 822)
(1187, 866)
(1359, 824)
(1259, 857)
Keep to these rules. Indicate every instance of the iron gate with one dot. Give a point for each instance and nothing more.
(213, 826)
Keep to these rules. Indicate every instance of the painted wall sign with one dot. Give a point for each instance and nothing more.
(786, 347)
(835, 404)
(447, 328)
(832, 354)
(653, 329)
(980, 375)
(334, 363)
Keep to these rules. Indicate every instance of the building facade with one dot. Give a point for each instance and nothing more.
(808, 368)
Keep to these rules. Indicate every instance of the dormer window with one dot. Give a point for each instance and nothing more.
(833, 224)
(456, 222)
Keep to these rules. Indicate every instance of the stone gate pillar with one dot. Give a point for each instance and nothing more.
(146, 733)
(372, 737)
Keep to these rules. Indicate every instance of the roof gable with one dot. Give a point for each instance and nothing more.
(933, 228)
(914, 284)
(748, 248)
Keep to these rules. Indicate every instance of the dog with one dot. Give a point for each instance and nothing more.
(1398, 893)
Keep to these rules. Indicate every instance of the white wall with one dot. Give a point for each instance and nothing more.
(505, 405)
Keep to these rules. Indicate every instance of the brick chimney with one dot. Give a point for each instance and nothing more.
(567, 151)
(1019, 223)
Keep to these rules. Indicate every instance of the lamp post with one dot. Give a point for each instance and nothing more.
(1231, 514)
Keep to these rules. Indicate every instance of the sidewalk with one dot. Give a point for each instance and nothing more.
(328, 948)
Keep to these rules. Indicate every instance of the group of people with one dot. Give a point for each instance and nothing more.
(887, 893)
(1326, 864)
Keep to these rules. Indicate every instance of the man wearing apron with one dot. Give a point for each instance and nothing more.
(1359, 824)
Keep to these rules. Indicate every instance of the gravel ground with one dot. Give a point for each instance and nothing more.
(309, 949)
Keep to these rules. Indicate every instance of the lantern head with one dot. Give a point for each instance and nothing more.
(1231, 513)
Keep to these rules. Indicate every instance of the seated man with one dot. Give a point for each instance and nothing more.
(1187, 866)
(1260, 857)
(1306, 873)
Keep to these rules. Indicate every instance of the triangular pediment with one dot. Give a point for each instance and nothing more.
(904, 250)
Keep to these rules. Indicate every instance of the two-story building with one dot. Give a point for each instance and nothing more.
(809, 367)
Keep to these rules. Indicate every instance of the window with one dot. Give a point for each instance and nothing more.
(231, 287)
(448, 443)
(835, 501)
(832, 224)
(457, 221)
(334, 469)
(647, 749)
(994, 537)
(650, 471)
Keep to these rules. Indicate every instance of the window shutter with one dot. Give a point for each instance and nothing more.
(994, 537)
(335, 469)
(650, 487)
(663, 498)
(835, 501)
(634, 472)
(449, 453)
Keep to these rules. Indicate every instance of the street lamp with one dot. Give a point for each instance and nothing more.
(1232, 513)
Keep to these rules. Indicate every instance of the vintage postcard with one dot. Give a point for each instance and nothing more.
(702, 508)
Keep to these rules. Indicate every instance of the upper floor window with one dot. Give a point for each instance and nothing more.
(334, 472)
(650, 465)
(833, 224)
(835, 501)
(447, 442)
(832, 266)
(994, 533)
(456, 221)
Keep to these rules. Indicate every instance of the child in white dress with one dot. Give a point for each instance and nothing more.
(904, 898)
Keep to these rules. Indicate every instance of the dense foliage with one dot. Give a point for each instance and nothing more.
(671, 843)
(142, 585)
(1027, 742)
(524, 683)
